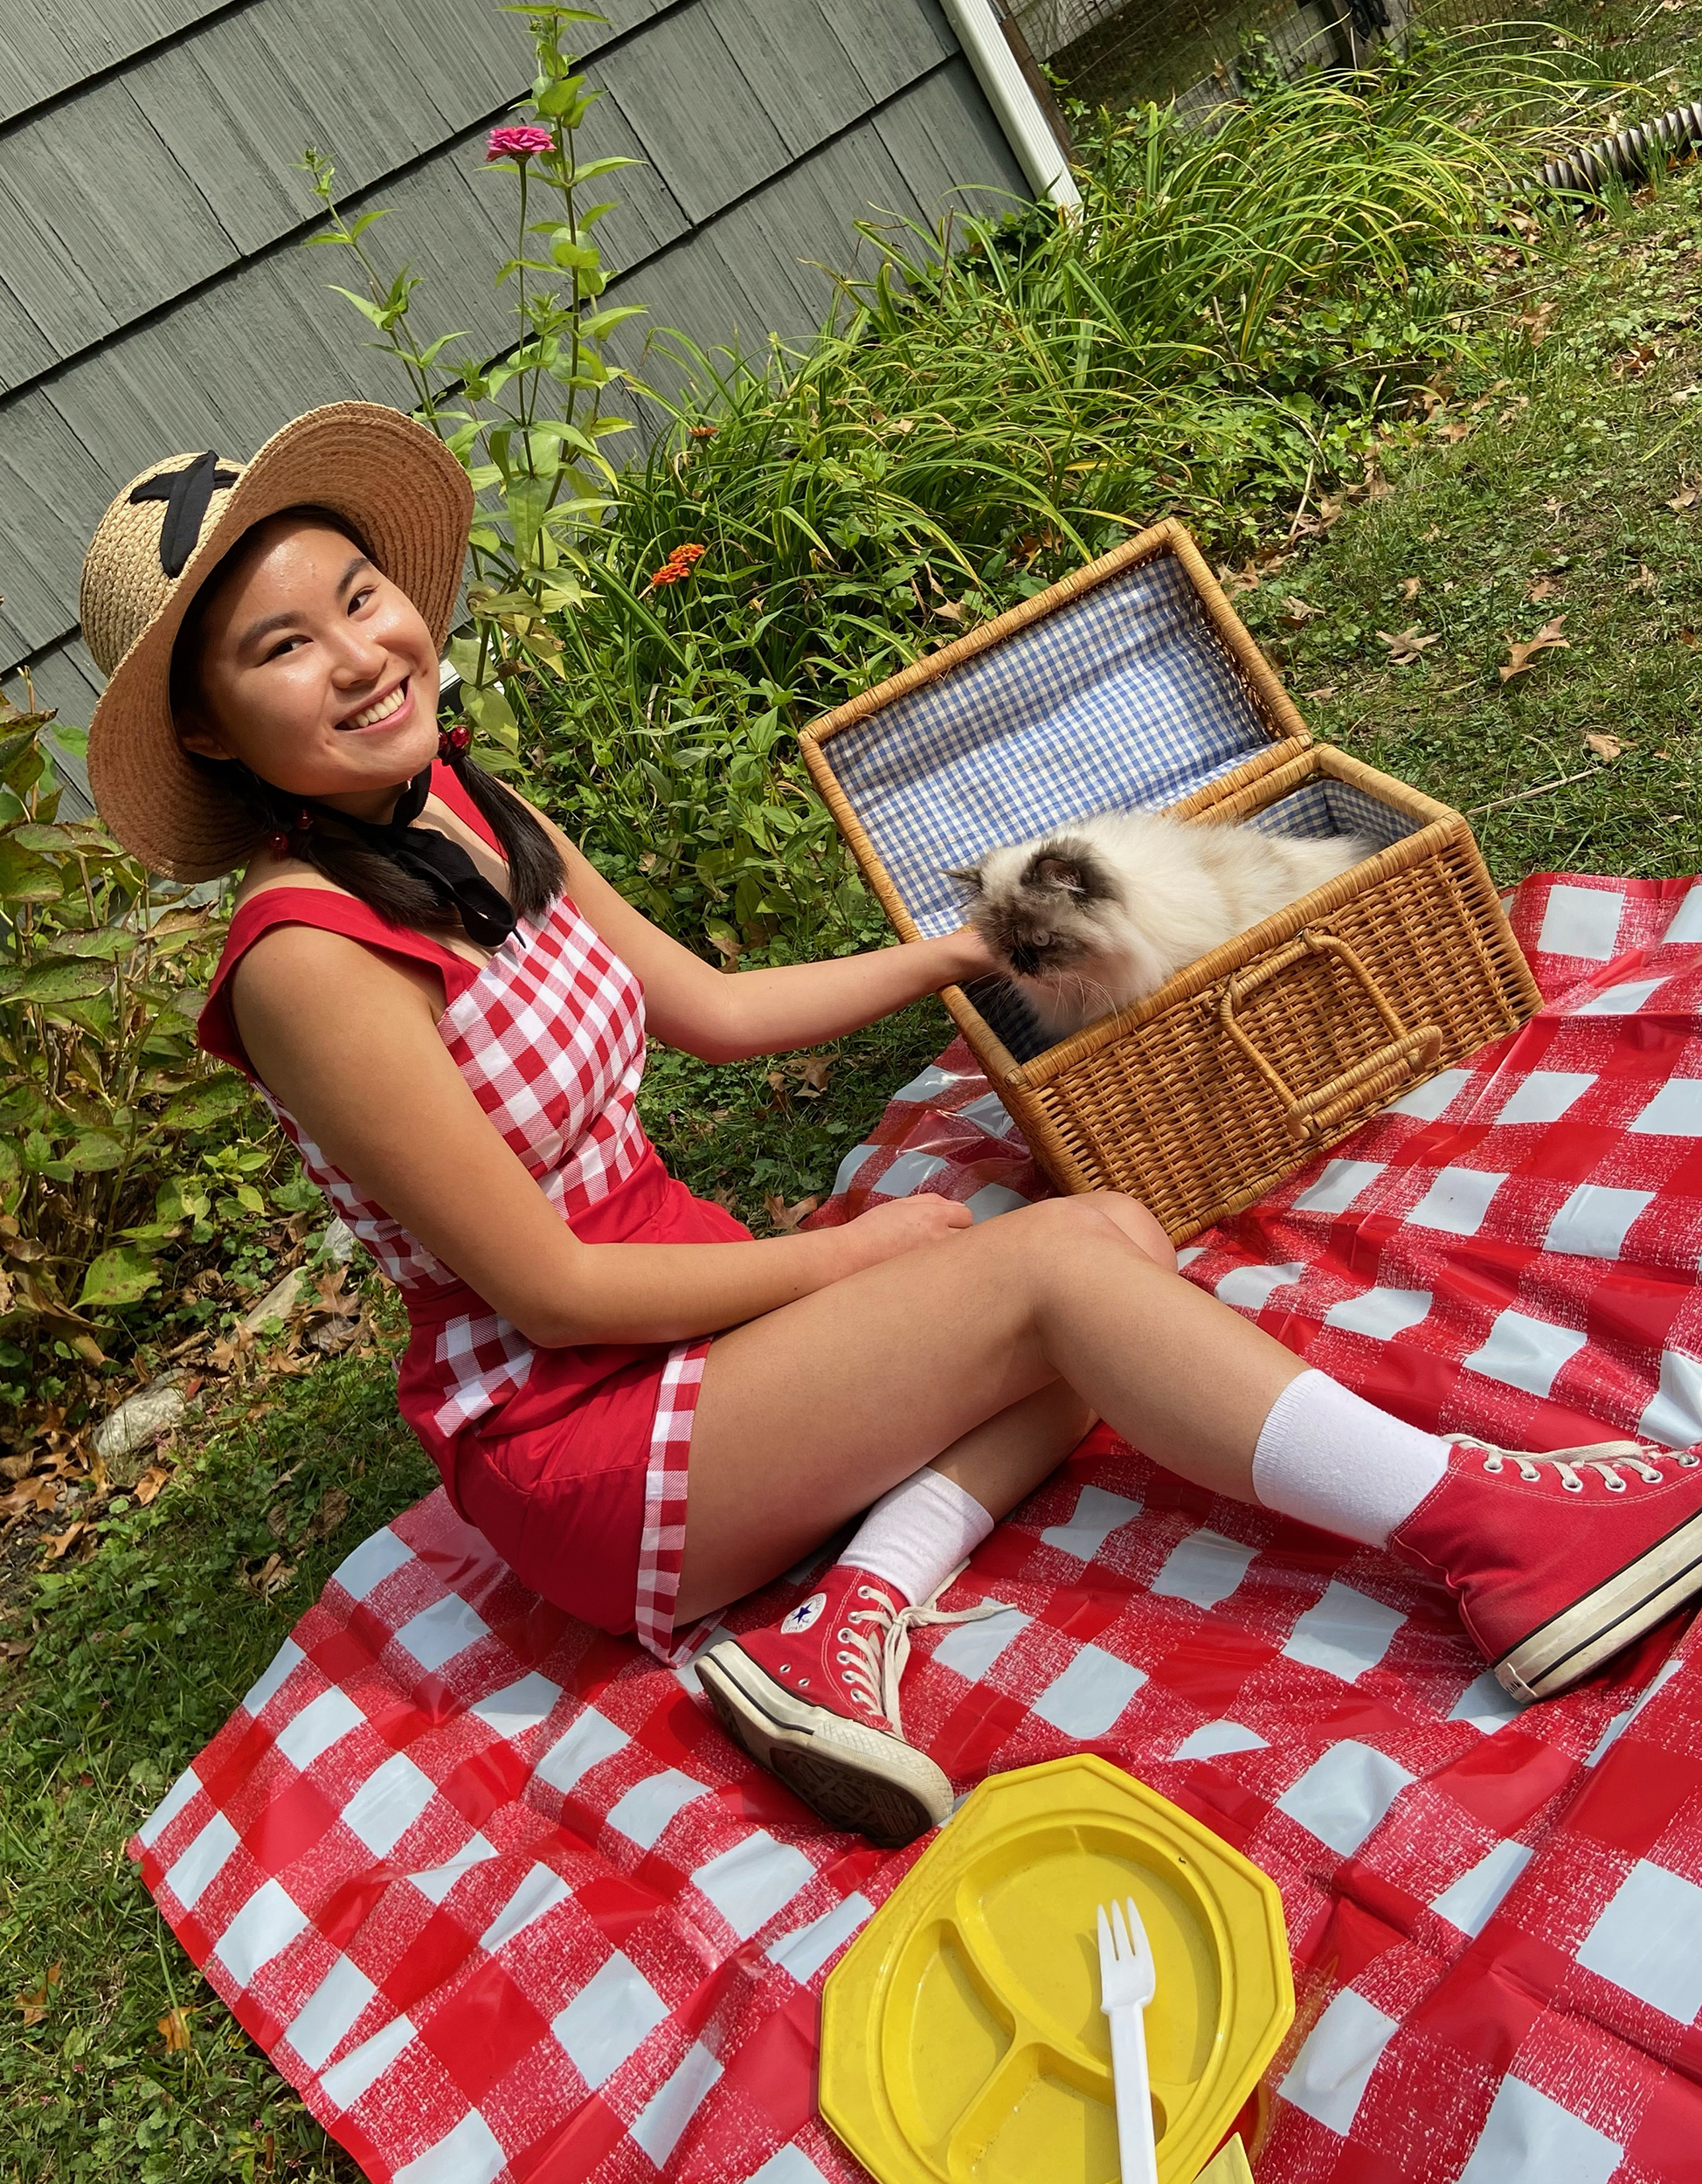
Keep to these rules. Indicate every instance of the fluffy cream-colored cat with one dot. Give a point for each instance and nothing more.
(1101, 912)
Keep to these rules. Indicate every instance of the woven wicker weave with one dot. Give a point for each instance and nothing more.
(1199, 1098)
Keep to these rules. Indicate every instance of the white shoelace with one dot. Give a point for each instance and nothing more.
(874, 1659)
(1603, 1457)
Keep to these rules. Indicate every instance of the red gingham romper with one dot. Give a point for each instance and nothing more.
(573, 1461)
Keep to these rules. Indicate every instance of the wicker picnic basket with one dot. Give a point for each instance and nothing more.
(1134, 685)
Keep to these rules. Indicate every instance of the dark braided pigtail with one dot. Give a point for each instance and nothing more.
(535, 877)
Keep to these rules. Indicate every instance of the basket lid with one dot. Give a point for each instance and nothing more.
(1121, 696)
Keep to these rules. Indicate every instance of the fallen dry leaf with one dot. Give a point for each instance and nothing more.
(814, 1073)
(787, 1218)
(330, 1514)
(1603, 746)
(332, 1335)
(173, 2031)
(1299, 611)
(56, 1542)
(1645, 579)
(951, 611)
(1519, 656)
(1410, 588)
(1687, 497)
(1322, 694)
(1544, 588)
(1235, 581)
(35, 2006)
(1458, 429)
(150, 1485)
(273, 1574)
(1408, 648)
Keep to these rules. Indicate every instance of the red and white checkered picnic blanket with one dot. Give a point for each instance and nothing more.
(494, 1892)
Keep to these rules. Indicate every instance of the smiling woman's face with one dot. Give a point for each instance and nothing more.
(315, 671)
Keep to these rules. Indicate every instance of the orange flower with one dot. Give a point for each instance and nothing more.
(679, 564)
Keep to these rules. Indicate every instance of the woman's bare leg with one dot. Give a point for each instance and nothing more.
(952, 1354)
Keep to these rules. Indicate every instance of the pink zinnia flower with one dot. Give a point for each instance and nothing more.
(518, 143)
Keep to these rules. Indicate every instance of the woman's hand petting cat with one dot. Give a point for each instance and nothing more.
(971, 956)
(902, 1225)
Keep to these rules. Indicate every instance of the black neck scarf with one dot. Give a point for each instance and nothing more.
(486, 913)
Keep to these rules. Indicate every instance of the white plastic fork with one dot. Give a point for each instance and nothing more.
(1127, 1980)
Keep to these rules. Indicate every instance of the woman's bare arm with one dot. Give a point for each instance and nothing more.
(347, 1041)
(689, 1004)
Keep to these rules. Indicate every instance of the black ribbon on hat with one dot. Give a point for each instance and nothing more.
(486, 913)
(188, 495)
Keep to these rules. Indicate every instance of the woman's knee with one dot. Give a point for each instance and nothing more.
(1139, 1223)
(1101, 1212)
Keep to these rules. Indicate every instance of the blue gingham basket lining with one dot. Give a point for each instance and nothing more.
(1323, 809)
(1125, 700)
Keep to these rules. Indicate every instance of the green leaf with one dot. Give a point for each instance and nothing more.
(55, 982)
(95, 1151)
(601, 324)
(298, 1195)
(121, 1277)
(211, 1101)
(493, 716)
(25, 877)
(10, 1166)
(430, 354)
(180, 1200)
(73, 741)
(380, 316)
(589, 169)
(576, 257)
(105, 943)
(21, 741)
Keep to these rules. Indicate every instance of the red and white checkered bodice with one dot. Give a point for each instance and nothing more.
(549, 1037)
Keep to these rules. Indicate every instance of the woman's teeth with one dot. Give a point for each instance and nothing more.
(382, 711)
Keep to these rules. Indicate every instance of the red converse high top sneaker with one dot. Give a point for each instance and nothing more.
(1559, 1562)
(814, 1699)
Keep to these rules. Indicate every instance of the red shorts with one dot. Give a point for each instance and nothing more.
(578, 1480)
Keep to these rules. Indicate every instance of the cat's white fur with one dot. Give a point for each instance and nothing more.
(1098, 913)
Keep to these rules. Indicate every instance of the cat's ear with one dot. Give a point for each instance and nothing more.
(1064, 874)
(966, 875)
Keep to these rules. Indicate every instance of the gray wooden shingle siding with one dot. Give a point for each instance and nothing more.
(153, 297)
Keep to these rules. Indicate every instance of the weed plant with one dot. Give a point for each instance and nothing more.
(128, 1166)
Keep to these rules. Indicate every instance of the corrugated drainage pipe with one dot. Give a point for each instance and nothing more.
(1634, 151)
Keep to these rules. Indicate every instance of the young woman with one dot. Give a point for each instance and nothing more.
(646, 1413)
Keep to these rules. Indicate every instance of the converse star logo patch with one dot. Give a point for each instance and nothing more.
(804, 1614)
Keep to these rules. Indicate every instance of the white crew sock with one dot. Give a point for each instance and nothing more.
(916, 1536)
(1334, 1461)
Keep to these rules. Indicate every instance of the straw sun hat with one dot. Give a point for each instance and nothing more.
(398, 487)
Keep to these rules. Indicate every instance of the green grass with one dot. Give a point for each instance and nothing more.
(140, 1651)
(1563, 486)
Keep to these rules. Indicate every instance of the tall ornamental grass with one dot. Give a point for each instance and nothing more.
(1216, 336)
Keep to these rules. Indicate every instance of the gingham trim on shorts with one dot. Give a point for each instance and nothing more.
(662, 1548)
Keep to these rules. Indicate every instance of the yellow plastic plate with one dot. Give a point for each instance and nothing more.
(962, 2039)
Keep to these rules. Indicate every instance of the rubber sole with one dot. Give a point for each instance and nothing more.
(1584, 1637)
(854, 1778)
